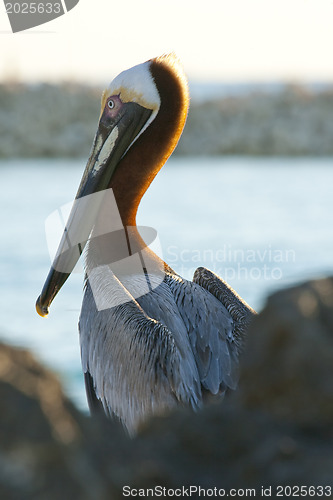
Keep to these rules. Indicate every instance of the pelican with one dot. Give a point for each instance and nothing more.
(150, 340)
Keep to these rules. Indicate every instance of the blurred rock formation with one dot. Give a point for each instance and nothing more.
(60, 121)
(275, 430)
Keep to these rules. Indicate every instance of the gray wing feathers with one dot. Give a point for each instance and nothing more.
(216, 319)
(209, 327)
(170, 346)
(239, 310)
(129, 355)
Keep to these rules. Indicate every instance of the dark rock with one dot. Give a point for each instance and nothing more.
(288, 368)
(276, 430)
(42, 455)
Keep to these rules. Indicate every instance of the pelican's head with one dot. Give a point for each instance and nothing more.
(135, 85)
(130, 105)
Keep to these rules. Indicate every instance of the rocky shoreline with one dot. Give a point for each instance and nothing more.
(274, 432)
(60, 121)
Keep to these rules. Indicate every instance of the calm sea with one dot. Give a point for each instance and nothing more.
(262, 224)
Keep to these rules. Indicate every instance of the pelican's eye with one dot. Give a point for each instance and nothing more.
(111, 104)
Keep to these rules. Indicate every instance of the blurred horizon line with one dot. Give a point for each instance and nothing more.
(200, 90)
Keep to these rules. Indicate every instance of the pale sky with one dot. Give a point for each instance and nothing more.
(221, 40)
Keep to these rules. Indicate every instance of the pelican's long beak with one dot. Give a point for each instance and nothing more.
(117, 130)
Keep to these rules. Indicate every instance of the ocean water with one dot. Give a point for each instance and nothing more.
(260, 223)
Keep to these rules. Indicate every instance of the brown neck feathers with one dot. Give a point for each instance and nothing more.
(151, 150)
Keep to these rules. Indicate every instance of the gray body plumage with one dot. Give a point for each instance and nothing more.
(174, 345)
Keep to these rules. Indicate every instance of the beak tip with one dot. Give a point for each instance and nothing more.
(43, 311)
